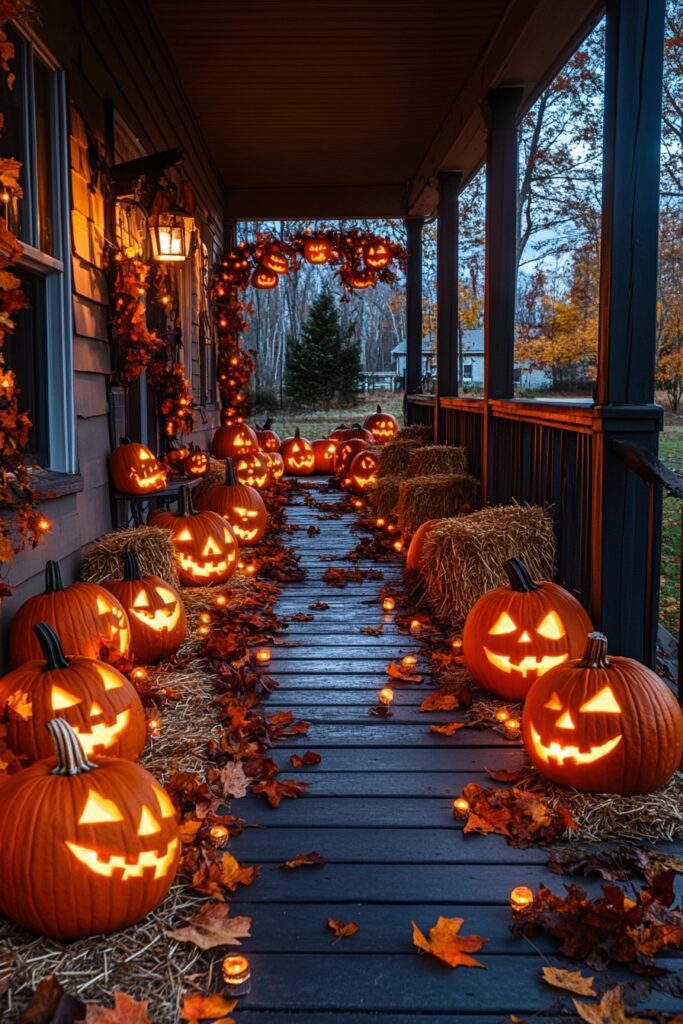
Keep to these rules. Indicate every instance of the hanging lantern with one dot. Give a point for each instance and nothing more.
(171, 235)
(376, 255)
(264, 278)
(275, 261)
(360, 279)
(317, 251)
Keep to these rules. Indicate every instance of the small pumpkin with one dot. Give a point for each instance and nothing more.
(324, 450)
(232, 440)
(276, 465)
(377, 255)
(267, 438)
(276, 261)
(253, 469)
(99, 703)
(85, 847)
(158, 624)
(86, 616)
(515, 634)
(264, 279)
(361, 278)
(417, 544)
(135, 470)
(382, 425)
(205, 547)
(358, 432)
(196, 462)
(345, 454)
(240, 505)
(603, 724)
(363, 471)
(297, 453)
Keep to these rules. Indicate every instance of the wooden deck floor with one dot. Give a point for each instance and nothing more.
(378, 810)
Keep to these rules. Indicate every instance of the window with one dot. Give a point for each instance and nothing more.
(467, 373)
(40, 351)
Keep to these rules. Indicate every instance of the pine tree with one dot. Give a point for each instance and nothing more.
(323, 364)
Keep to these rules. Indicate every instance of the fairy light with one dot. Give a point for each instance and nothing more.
(43, 524)
(218, 835)
(461, 807)
(203, 629)
(456, 645)
(398, 545)
(263, 656)
(379, 522)
(139, 674)
(154, 727)
(408, 662)
(415, 626)
(521, 897)
(205, 617)
(220, 600)
(386, 696)
(250, 569)
(502, 715)
(236, 969)
(388, 604)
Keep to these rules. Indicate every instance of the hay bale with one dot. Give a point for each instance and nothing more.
(151, 545)
(463, 558)
(214, 475)
(433, 497)
(384, 495)
(394, 458)
(425, 435)
(437, 458)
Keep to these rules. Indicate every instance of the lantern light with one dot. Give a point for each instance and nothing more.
(388, 604)
(386, 696)
(171, 235)
(263, 656)
(218, 835)
(408, 662)
(521, 897)
(512, 729)
(236, 970)
(461, 807)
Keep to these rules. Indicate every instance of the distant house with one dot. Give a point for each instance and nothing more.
(399, 354)
(472, 375)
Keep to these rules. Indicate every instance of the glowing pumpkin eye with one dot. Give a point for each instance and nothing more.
(62, 699)
(98, 810)
(141, 601)
(148, 823)
(184, 535)
(565, 721)
(211, 547)
(103, 607)
(604, 701)
(240, 511)
(165, 595)
(554, 704)
(144, 456)
(503, 625)
(551, 627)
(96, 709)
(110, 680)
(165, 806)
(227, 536)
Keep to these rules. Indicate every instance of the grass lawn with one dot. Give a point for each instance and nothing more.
(318, 423)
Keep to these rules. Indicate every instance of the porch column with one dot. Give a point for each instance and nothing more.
(500, 110)
(414, 227)
(626, 523)
(446, 291)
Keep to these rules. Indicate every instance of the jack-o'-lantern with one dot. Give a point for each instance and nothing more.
(603, 724)
(377, 255)
(382, 425)
(99, 703)
(360, 279)
(233, 440)
(324, 451)
(240, 505)
(276, 465)
(196, 462)
(298, 456)
(275, 261)
(264, 279)
(135, 470)
(355, 432)
(205, 547)
(267, 438)
(176, 456)
(317, 251)
(417, 544)
(158, 624)
(87, 617)
(252, 469)
(345, 454)
(86, 847)
(363, 471)
(517, 633)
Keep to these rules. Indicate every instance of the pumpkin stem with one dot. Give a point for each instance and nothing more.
(124, 440)
(297, 433)
(379, 409)
(69, 754)
(519, 576)
(185, 502)
(595, 655)
(268, 424)
(53, 578)
(50, 646)
(131, 569)
(230, 478)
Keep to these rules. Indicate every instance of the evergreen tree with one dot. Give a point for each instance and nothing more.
(323, 364)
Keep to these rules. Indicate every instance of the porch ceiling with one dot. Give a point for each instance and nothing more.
(342, 108)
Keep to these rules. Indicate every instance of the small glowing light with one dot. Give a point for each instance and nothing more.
(154, 727)
(5, 197)
(263, 656)
(380, 522)
(205, 617)
(415, 626)
(502, 715)
(236, 969)
(388, 604)
(220, 600)
(386, 696)
(347, 481)
(391, 528)
(203, 629)
(456, 644)
(357, 503)
(43, 524)
(139, 674)
(165, 299)
(240, 565)
(521, 897)
(398, 545)
(250, 569)
(511, 728)
(408, 662)
(218, 835)
(461, 807)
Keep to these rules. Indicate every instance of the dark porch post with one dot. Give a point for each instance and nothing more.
(447, 340)
(414, 227)
(626, 523)
(500, 111)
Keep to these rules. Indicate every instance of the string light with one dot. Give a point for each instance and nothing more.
(386, 696)
(521, 897)
(139, 674)
(388, 604)
(461, 807)
(408, 662)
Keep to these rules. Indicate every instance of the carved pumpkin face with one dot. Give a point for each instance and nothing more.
(603, 724)
(298, 456)
(104, 836)
(361, 279)
(264, 279)
(231, 441)
(317, 251)
(268, 439)
(240, 505)
(205, 547)
(135, 470)
(276, 465)
(513, 635)
(377, 255)
(275, 261)
(196, 463)
(382, 425)
(345, 454)
(155, 612)
(363, 471)
(252, 469)
(324, 450)
(99, 703)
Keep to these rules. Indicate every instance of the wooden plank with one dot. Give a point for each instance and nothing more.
(90, 395)
(403, 715)
(360, 812)
(90, 319)
(91, 356)
(290, 697)
(357, 784)
(420, 758)
(390, 733)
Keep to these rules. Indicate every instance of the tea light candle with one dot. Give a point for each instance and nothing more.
(511, 728)
(250, 569)
(139, 674)
(386, 696)
(357, 503)
(220, 600)
(380, 522)
(236, 969)
(154, 727)
(457, 645)
(461, 807)
(415, 626)
(521, 897)
(398, 545)
(388, 604)
(502, 715)
(240, 565)
(218, 834)
(203, 629)
(205, 617)
(408, 662)
(263, 656)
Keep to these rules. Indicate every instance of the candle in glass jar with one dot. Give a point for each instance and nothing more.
(236, 969)
(388, 604)
(386, 696)
(461, 807)
(218, 834)
(512, 729)
(521, 897)
(263, 656)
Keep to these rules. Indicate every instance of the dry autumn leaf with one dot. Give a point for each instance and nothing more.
(570, 981)
(213, 1007)
(308, 759)
(447, 730)
(445, 943)
(233, 781)
(212, 926)
(611, 1010)
(396, 672)
(124, 1011)
(439, 701)
(342, 929)
(312, 859)
(43, 1002)
(275, 791)
(234, 874)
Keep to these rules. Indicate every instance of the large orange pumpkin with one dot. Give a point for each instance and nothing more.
(267, 438)
(517, 633)
(417, 544)
(240, 505)
(345, 454)
(86, 847)
(85, 615)
(205, 547)
(324, 450)
(135, 470)
(158, 624)
(99, 703)
(382, 425)
(363, 471)
(253, 469)
(603, 724)
(358, 432)
(297, 453)
(233, 440)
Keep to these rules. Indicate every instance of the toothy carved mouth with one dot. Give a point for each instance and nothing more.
(244, 535)
(559, 753)
(206, 569)
(527, 664)
(108, 865)
(103, 735)
(161, 619)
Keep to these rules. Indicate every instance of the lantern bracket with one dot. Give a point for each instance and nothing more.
(140, 177)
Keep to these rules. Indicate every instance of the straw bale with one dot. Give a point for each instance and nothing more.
(151, 545)
(422, 498)
(425, 435)
(384, 494)
(394, 458)
(437, 458)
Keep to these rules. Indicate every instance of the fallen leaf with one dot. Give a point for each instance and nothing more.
(212, 926)
(124, 1011)
(234, 874)
(301, 860)
(43, 1002)
(611, 1010)
(188, 830)
(8, 967)
(275, 791)
(319, 606)
(445, 943)
(342, 929)
(395, 671)
(309, 758)
(233, 781)
(570, 981)
(447, 730)
(439, 701)
(198, 1007)
(505, 774)
(372, 630)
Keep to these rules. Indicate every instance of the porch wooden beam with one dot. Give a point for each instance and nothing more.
(336, 202)
(414, 226)
(447, 343)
